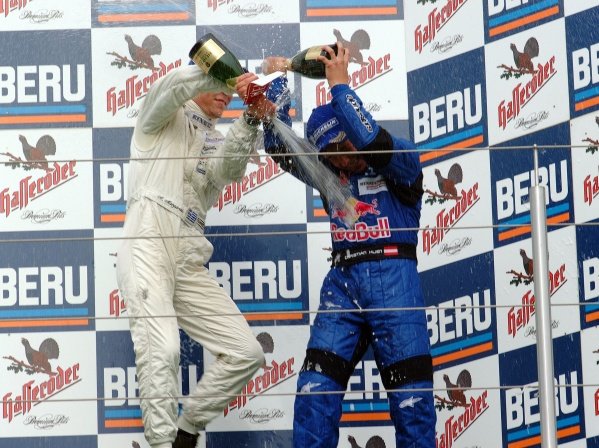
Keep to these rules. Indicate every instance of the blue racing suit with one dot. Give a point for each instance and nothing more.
(373, 268)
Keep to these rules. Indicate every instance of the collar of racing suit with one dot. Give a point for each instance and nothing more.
(198, 117)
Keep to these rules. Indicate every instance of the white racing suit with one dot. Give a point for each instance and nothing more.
(161, 262)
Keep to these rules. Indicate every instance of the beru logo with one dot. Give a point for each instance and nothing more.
(583, 47)
(522, 403)
(590, 278)
(512, 193)
(459, 318)
(524, 92)
(113, 182)
(49, 380)
(448, 113)
(35, 185)
(273, 373)
(365, 387)
(469, 409)
(436, 19)
(43, 286)
(369, 67)
(447, 217)
(249, 280)
(32, 84)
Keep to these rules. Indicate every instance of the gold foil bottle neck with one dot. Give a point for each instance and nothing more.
(207, 55)
(313, 53)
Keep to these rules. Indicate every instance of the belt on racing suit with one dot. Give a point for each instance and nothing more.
(347, 257)
(189, 216)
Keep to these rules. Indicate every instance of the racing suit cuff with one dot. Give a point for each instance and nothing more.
(339, 89)
(187, 426)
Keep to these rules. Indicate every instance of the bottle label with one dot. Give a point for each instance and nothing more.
(313, 53)
(207, 55)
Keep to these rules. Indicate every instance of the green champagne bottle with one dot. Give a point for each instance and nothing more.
(216, 60)
(306, 64)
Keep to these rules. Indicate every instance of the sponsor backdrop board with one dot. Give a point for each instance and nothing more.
(474, 83)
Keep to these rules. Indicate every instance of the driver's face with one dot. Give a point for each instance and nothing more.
(213, 104)
(351, 163)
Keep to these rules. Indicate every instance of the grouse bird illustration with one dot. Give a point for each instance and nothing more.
(455, 392)
(447, 186)
(527, 263)
(373, 442)
(352, 442)
(523, 60)
(266, 342)
(45, 146)
(360, 40)
(150, 46)
(40, 358)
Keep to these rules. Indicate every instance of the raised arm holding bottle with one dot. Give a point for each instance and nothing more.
(373, 268)
(179, 164)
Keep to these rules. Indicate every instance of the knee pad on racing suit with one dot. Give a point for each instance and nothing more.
(412, 411)
(316, 416)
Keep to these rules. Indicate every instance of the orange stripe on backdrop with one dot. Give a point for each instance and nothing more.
(112, 218)
(155, 17)
(351, 12)
(366, 416)
(131, 423)
(524, 21)
(537, 439)
(588, 103)
(43, 119)
(476, 140)
(517, 231)
(320, 213)
(275, 316)
(462, 353)
(592, 316)
(43, 323)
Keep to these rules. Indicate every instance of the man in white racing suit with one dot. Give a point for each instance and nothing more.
(161, 270)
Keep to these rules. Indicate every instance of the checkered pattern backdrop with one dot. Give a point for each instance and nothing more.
(456, 76)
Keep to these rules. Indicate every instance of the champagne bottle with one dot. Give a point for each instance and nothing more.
(216, 60)
(306, 64)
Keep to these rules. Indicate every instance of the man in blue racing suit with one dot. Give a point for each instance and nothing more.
(373, 269)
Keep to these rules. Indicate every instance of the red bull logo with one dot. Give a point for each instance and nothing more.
(362, 231)
(359, 208)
